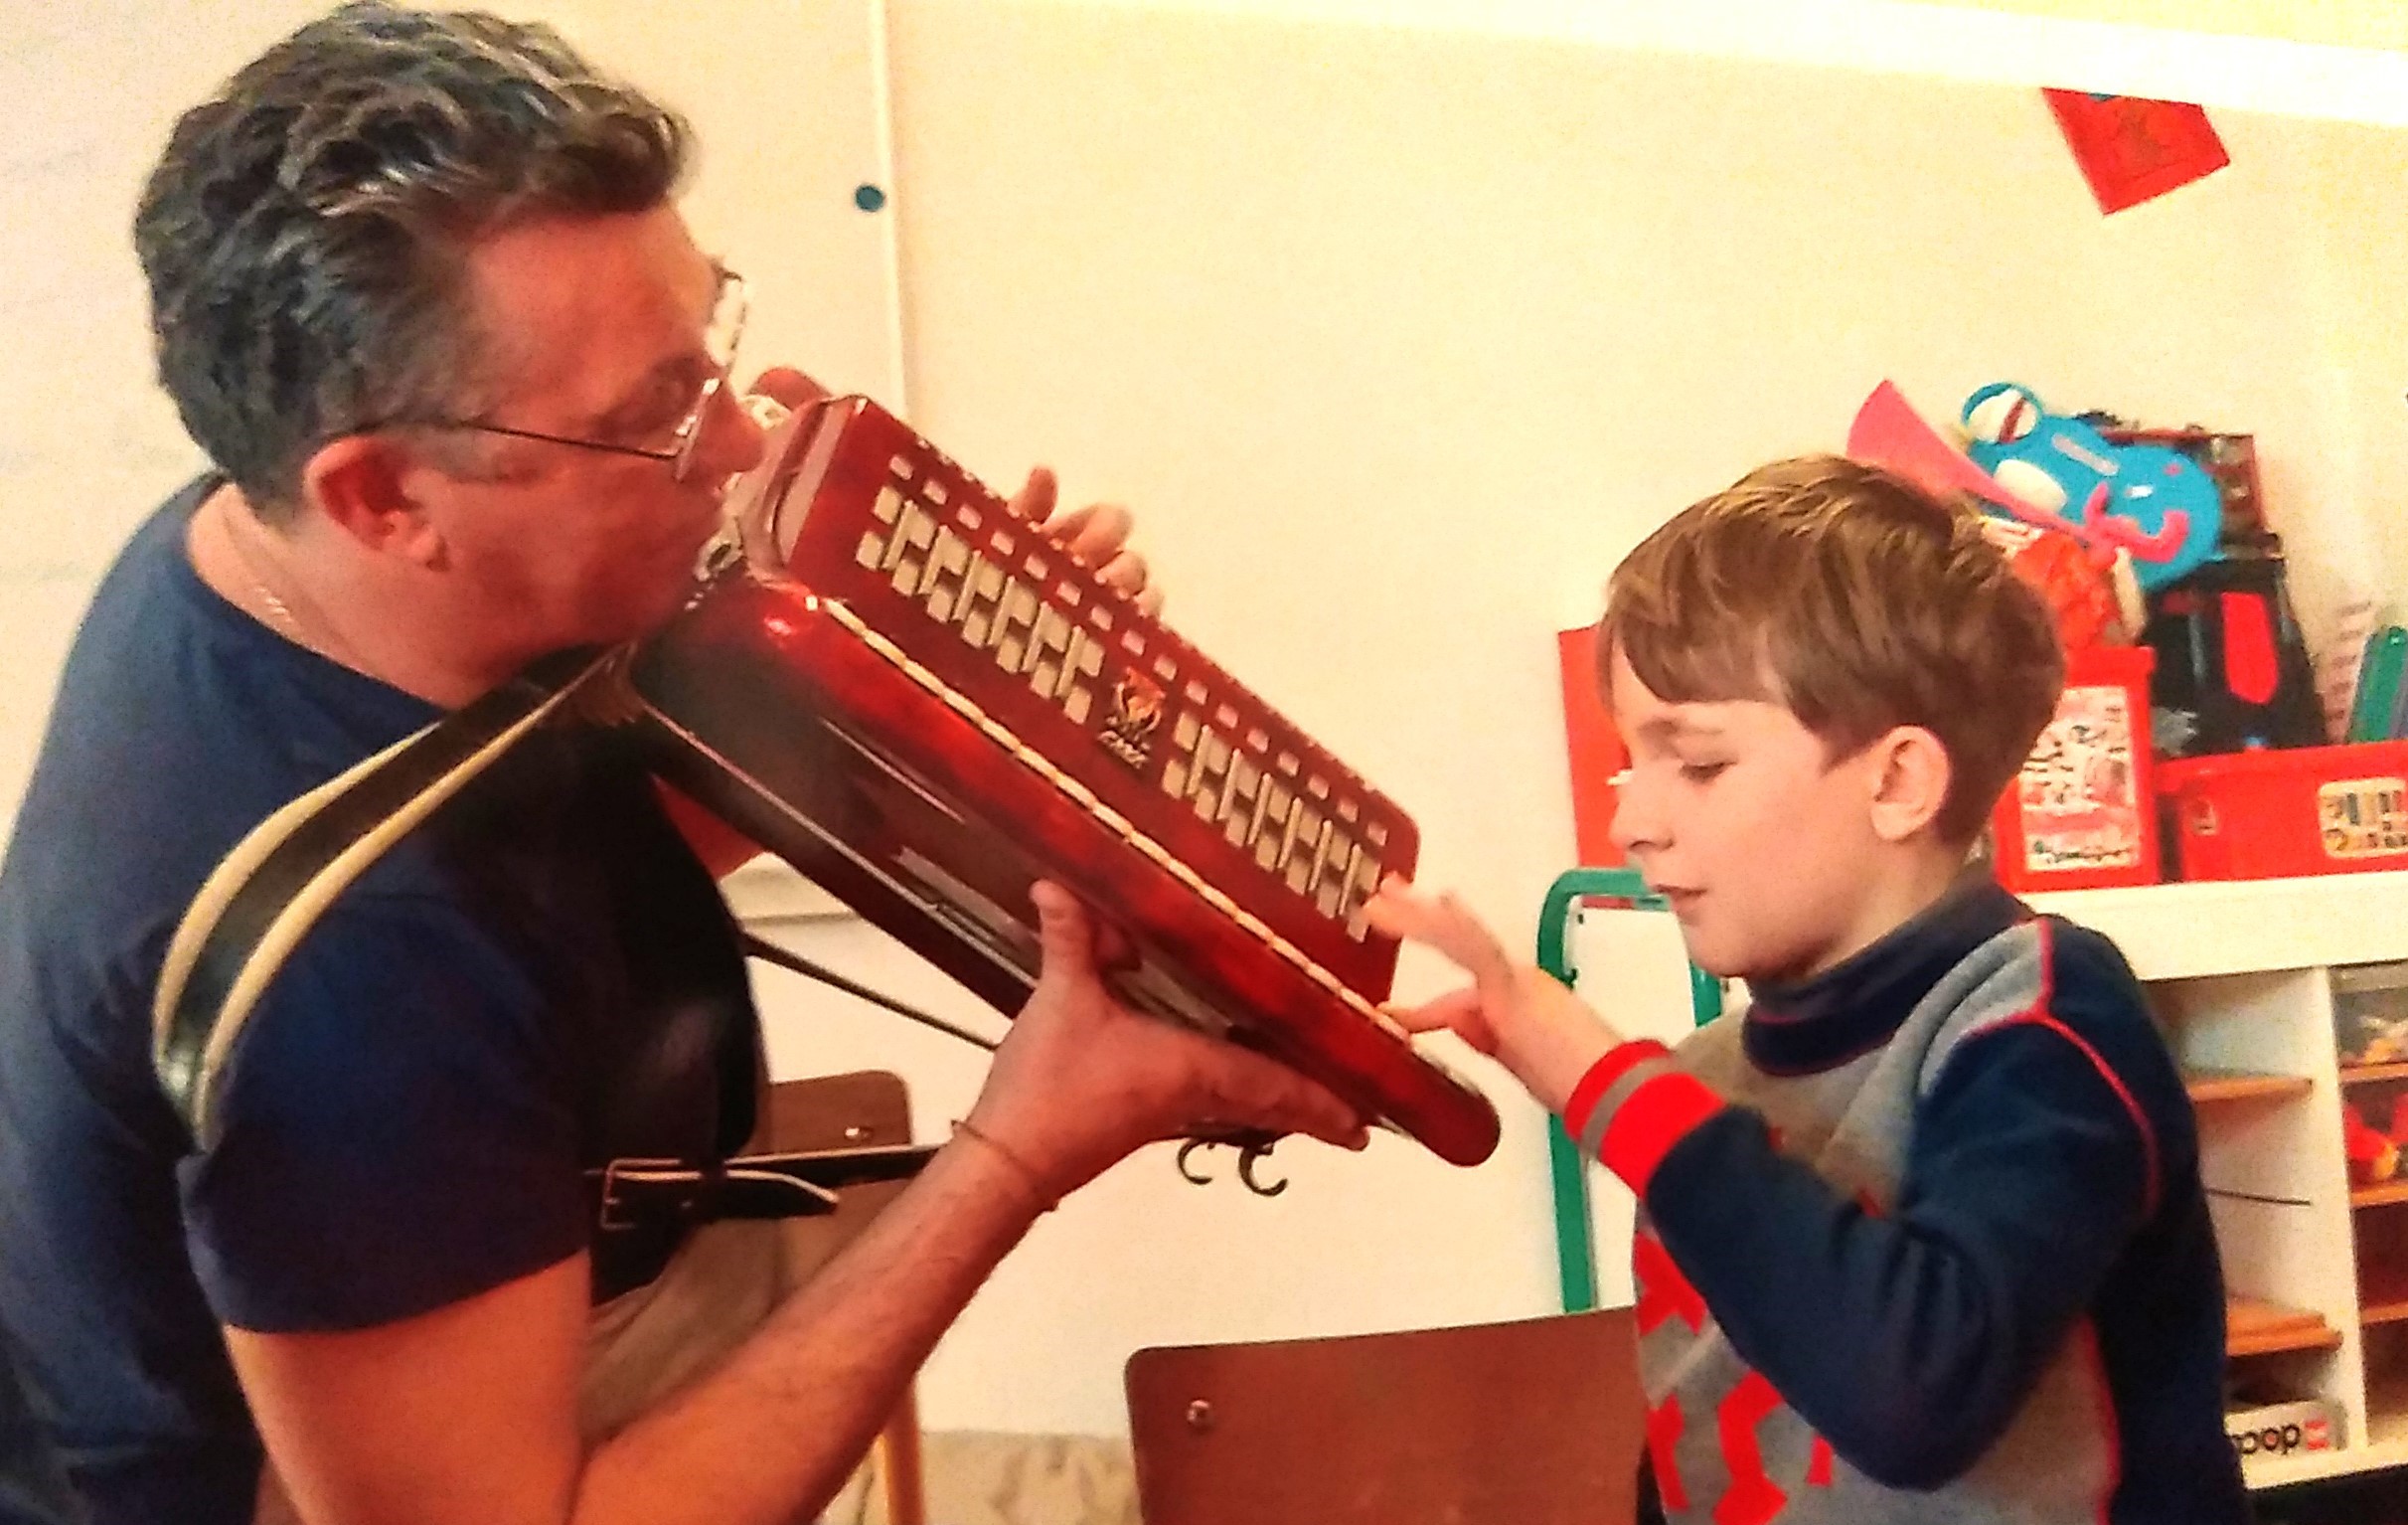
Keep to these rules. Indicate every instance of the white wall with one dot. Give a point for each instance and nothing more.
(89, 445)
(1401, 338)
(1396, 339)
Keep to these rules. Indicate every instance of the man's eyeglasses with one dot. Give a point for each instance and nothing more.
(720, 339)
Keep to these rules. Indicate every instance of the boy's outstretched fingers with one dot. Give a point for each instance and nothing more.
(1443, 922)
(1458, 1011)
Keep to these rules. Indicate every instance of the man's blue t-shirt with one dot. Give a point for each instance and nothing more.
(540, 979)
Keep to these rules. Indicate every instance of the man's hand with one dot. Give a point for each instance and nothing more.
(1516, 1013)
(784, 387)
(1097, 534)
(1081, 1081)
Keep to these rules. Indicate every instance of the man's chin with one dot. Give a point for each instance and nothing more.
(637, 619)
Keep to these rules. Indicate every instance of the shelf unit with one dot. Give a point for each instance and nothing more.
(2243, 978)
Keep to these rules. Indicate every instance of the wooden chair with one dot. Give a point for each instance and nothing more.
(833, 1111)
(1533, 1423)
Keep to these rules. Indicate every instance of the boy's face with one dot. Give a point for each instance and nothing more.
(1766, 848)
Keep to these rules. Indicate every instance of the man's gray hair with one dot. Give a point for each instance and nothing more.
(305, 233)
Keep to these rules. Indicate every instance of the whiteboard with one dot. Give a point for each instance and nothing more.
(788, 100)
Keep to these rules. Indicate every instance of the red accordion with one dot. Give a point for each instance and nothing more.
(905, 690)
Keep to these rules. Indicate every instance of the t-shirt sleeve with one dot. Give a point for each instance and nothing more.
(394, 1135)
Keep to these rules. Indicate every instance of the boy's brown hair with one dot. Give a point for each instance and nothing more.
(1859, 601)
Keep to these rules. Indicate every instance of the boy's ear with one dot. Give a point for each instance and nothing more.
(359, 482)
(1911, 775)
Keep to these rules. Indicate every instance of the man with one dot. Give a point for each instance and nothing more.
(420, 293)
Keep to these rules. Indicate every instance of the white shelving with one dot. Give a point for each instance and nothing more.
(2240, 978)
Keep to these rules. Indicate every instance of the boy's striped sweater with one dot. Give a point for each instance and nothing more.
(1923, 1239)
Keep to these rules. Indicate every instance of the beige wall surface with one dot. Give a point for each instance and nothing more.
(1399, 339)
(1396, 339)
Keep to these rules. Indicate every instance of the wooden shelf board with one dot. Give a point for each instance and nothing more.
(2360, 1075)
(2240, 1084)
(2256, 1327)
(2377, 1196)
(2320, 1337)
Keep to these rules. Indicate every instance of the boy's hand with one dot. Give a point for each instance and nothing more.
(1516, 1013)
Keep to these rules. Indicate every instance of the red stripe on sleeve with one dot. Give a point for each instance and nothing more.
(1658, 1116)
(1612, 1065)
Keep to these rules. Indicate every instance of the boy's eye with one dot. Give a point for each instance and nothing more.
(1703, 772)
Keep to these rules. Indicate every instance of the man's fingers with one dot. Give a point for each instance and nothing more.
(1259, 1093)
(1035, 500)
(1065, 936)
(1094, 533)
(1128, 571)
(788, 386)
(1098, 535)
(1114, 949)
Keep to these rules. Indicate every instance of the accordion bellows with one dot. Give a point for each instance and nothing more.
(904, 689)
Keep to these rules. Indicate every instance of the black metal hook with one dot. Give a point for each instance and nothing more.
(1252, 1148)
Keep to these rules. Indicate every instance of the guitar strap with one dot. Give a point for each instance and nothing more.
(254, 909)
(264, 896)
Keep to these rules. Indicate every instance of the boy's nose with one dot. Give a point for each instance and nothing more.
(1636, 824)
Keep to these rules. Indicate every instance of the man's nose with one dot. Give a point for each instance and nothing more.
(733, 438)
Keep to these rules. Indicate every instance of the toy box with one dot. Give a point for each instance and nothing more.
(2283, 1428)
(2283, 814)
(2080, 814)
(2233, 672)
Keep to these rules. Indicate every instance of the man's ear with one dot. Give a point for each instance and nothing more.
(360, 483)
(1910, 776)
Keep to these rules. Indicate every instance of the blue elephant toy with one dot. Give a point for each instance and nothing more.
(2156, 503)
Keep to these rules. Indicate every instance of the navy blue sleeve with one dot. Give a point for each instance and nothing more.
(395, 1136)
(1909, 1339)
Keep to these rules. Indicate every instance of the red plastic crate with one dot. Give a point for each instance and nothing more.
(2290, 812)
(1595, 750)
(2081, 815)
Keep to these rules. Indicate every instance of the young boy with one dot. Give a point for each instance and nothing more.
(1921, 1233)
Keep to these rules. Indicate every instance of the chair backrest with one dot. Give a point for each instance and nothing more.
(1538, 1422)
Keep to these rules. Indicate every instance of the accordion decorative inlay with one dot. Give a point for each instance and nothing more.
(908, 691)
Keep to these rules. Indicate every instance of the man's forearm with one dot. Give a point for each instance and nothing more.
(771, 1434)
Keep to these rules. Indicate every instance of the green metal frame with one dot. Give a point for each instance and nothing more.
(1575, 1246)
